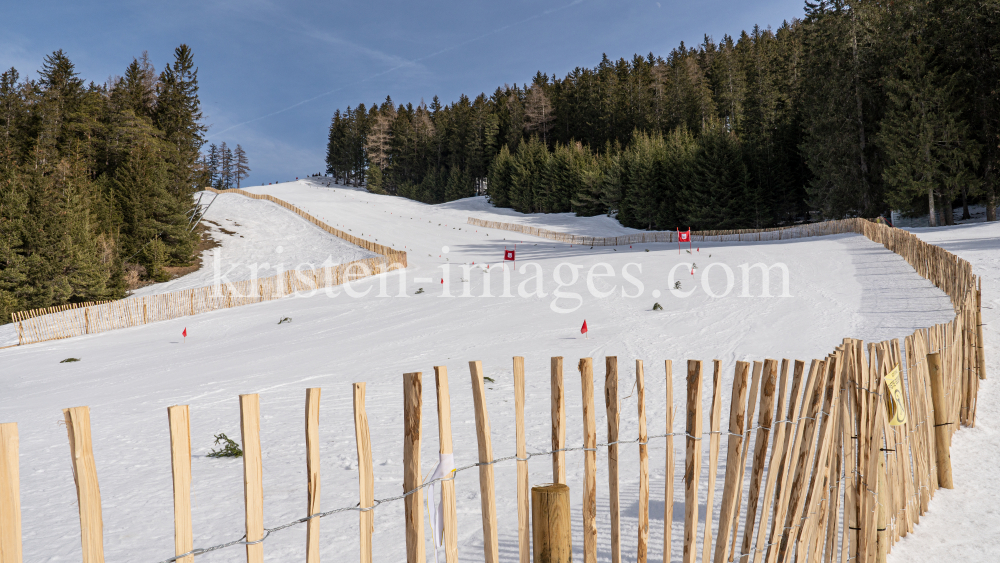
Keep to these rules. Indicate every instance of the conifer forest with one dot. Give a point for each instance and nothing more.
(856, 109)
(96, 180)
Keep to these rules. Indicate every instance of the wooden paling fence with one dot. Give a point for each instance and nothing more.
(389, 252)
(56, 309)
(735, 235)
(66, 321)
(835, 474)
(829, 478)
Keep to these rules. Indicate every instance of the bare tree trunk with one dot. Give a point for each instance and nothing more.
(932, 218)
(949, 211)
(965, 203)
(991, 208)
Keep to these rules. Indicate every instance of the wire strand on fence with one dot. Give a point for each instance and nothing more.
(454, 473)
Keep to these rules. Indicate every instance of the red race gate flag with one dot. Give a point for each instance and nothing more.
(683, 236)
(185, 333)
(583, 329)
(508, 254)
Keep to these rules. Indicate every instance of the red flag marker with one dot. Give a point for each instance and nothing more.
(583, 329)
(683, 237)
(185, 334)
(442, 280)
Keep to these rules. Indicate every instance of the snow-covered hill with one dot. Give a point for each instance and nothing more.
(839, 286)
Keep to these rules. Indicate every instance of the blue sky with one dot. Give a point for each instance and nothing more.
(272, 73)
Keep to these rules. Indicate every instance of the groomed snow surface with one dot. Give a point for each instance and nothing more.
(839, 286)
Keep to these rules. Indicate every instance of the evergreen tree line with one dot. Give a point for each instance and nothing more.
(225, 167)
(856, 109)
(95, 180)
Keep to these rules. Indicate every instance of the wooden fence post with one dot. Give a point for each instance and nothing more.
(764, 420)
(253, 476)
(611, 407)
(10, 495)
(450, 529)
(550, 515)
(751, 407)
(640, 384)
(980, 343)
(737, 425)
(589, 462)
(179, 418)
(668, 487)
(312, 473)
(523, 492)
(776, 465)
(88, 492)
(414, 504)
(491, 546)
(715, 422)
(558, 422)
(366, 478)
(942, 433)
(692, 461)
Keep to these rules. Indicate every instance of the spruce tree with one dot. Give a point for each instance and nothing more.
(928, 150)
(241, 165)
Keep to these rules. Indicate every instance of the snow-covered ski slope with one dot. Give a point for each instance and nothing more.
(257, 232)
(840, 286)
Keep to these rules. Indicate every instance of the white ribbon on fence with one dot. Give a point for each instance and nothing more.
(446, 464)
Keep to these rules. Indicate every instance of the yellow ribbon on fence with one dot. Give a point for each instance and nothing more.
(895, 407)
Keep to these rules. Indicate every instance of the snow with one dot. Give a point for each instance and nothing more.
(251, 231)
(840, 286)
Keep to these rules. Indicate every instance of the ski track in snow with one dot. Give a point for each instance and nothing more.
(841, 286)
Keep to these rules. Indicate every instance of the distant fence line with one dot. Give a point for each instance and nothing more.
(23, 315)
(395, 255)
(834, 474)
(837, 227)
(54, 323)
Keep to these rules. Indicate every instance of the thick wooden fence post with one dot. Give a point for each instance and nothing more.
(611, 406)
(558, 422)
(523, 492)
(942, 432)
(692, 461)
(88, 492)
(179, 418)
(366, 478)
(312, 473)
(491, 545)
(550, 515)
(450, 525)
(253, 476)
(589, 462)
(10, 495)
(414, 504)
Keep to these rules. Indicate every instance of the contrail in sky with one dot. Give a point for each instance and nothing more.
(397, 67)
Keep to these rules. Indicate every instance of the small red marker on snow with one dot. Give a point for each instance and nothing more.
(185, 334)
(442, 280)
(583, 329)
